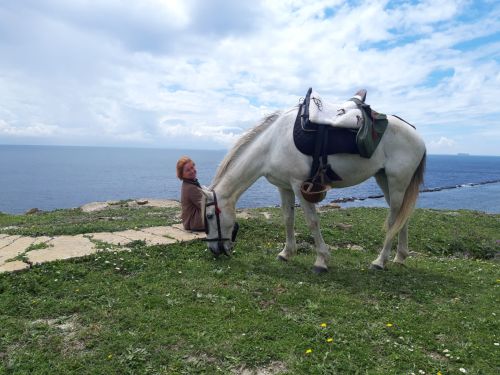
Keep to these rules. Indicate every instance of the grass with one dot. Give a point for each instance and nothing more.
(176, 310)
(75, 221)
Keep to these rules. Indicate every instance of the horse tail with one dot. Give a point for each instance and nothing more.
(409, 200)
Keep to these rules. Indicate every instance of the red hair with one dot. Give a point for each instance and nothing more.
(180, 165)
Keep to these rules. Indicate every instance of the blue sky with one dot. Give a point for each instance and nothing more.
(198, 73)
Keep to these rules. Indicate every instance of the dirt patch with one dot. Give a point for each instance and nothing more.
(66, 324)
(437, 356)
(274, 368)
(200, 359)
(68, 328)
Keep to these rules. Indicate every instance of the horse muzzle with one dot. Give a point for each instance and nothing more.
(220, 247)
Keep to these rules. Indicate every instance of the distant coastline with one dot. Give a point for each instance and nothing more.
(50, 178)
(182, 151)
(353, 199)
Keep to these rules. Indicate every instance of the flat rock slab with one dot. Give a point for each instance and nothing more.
(148, 237)
(125, 237)
(16, 247)
(62, 247)
(15, 265)
(158, 231)
(153, 239)
(94, 206)
(113, 238)
(162, 203)
(42, 239)
(178, 232)
(134, 235)
(65, 247)
(7, 240)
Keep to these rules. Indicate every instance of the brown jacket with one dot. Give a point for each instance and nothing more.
(191, 210)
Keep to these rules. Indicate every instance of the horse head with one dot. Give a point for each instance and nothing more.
(220, 224)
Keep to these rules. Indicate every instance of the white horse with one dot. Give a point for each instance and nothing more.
(268, 150)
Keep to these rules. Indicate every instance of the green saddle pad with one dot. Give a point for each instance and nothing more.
(371, 131)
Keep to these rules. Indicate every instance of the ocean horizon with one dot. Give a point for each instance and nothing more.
(59, 177)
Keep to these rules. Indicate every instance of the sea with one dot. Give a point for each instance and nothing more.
(57, 177)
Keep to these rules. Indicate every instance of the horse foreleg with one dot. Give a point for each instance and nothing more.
(322, 249)
(288, 209)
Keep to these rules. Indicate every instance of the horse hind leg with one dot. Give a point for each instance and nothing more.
(402, 252)
(379, 263)
(394, 199)
(288, 209)
(401, 202)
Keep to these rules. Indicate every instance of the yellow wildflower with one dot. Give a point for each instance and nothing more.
(439, 373)
(329, 339)
(389, 325)
(323, 325)
(110, 356)
(309, 351)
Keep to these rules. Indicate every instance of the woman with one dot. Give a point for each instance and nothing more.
(190, 195)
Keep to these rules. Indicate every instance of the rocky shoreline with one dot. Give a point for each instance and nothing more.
(430, 190)
(102, 205)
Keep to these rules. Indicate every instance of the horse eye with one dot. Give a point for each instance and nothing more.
(209, 216)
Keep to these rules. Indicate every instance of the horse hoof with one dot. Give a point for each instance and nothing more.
(376, 267)
(319, 270)
(282, 258)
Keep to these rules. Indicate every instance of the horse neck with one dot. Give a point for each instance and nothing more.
(241, 173)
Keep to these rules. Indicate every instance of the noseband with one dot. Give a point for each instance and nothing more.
(220, 240)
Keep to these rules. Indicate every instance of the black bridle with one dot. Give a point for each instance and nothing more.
(220, 240)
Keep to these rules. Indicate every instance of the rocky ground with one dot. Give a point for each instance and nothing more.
(21, 252)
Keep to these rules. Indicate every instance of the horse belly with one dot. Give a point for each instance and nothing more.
(354, 169)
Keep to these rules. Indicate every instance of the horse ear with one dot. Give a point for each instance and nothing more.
(361, 94)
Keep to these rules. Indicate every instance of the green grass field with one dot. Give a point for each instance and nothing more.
(176, 310)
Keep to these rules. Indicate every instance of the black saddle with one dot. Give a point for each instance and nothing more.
(321, 140)
(338, 140)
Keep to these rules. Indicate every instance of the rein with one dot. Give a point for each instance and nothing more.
(220, 240)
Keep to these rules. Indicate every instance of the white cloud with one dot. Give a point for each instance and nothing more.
(198, 73)
(443, 142)
(32, 130)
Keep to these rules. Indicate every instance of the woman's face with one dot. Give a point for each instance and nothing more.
(189, 171)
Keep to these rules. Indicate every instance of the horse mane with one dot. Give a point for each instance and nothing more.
(242, 143)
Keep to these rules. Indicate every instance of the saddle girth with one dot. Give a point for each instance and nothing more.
(321, 171)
